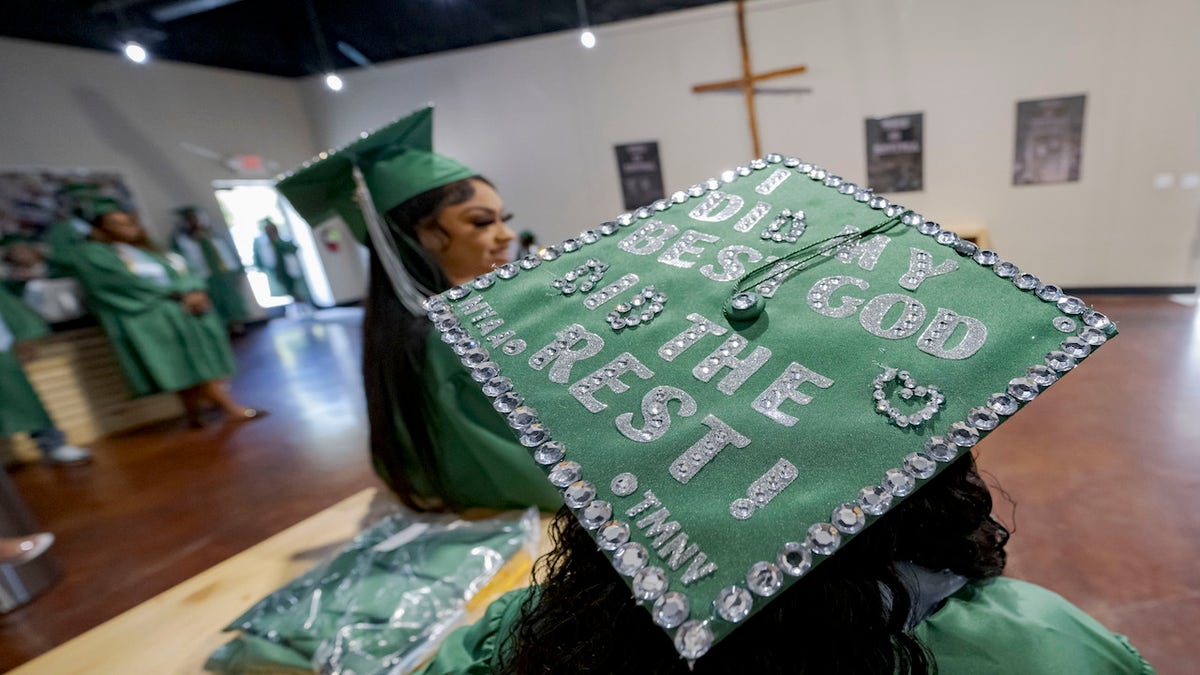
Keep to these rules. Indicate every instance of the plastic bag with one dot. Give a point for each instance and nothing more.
(383, 603)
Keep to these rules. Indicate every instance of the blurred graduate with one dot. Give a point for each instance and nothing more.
(211, 256)
(158, 316)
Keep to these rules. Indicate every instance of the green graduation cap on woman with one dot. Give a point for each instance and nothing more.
(428, 220)
(759, 399)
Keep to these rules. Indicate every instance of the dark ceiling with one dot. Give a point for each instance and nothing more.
(277, 36)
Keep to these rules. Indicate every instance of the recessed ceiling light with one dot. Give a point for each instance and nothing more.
(136, 53)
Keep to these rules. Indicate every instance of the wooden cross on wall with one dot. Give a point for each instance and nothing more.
(746, 82)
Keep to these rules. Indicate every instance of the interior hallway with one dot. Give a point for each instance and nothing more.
(1105, 470)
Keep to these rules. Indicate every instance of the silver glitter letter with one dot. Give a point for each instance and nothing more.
(909, 322)
(699, 328)
(865, 252)
(762, 491)
(610, 291)
(780, 273)
(677, 551)
(752, 217)
(732, 267)
(822, 291)
(786, 387)
(488, 327)
(725, 356)
(649, 501)
(920, 268)
(657, 526)
(608, 376)
(562, 356)
(773, 181)
(500, 338)
(704, 210)
(933, 340)
(472, 305)
(698, 569)
(656, 414)
(674, 255)
(719, 435)
(648, 238)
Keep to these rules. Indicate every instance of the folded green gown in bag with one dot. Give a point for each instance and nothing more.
(380, 605)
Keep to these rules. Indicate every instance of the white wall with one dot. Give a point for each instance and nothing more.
(540, 116)
(64, 108)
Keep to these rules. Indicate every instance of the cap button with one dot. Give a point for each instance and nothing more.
(744, 306)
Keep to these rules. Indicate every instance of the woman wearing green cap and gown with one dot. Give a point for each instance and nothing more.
(435, 439)
(276, 257)
(158, 317)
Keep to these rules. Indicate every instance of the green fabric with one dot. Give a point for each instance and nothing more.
(225, 291)
(381, 601)
(397, 162)
(22, 410)
(224, 284)
(1010, 626)
(835, 439)
(1002, 627)
(480, 461)
(158, 344)
(22, 321)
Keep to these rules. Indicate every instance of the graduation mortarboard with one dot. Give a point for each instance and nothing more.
(90, 209)
(397, 162)
(382, 169)
(729, 384)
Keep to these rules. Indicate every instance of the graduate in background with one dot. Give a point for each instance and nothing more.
(277, 258)
(212, 257)
(21, 410)
(431, 222)
(158, 317)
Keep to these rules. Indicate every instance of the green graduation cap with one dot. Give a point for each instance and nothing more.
(397, 162)
(91, 208)
(730, 384)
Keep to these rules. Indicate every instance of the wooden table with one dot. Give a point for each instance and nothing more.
(176, 631)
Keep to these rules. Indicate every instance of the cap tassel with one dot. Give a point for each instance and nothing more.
(745, 306)
(411, 294)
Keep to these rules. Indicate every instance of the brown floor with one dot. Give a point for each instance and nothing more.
(1105, 471)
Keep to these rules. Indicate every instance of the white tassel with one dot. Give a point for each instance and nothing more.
(412, 294)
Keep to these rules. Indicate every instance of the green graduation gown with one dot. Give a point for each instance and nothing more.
(20, 408)
(1001, 627)
(213, 258)
(277, 259)
(480, 461)
(159, 345)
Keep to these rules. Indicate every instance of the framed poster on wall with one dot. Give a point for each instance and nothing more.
(640, 172)
(1049, 140)
(895, 153)
(31, 200)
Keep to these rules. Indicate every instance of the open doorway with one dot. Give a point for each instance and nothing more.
(244, 204)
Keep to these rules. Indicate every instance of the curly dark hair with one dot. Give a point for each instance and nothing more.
(835, 620)
(394, 354)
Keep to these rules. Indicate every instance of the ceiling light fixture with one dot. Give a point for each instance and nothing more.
(136, 52)
(332, 79)
(586, 38)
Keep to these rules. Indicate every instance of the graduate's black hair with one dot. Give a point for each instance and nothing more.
(834, 620)
(394, 354)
